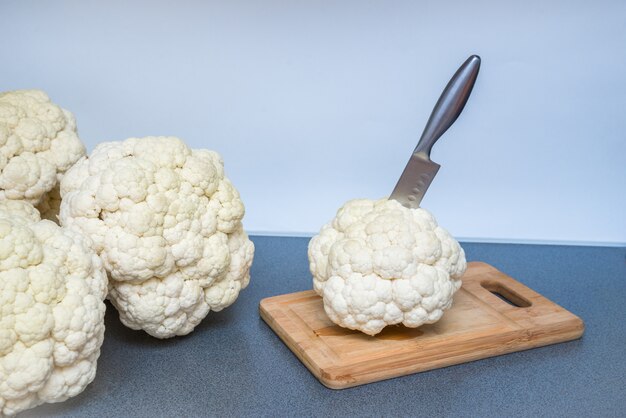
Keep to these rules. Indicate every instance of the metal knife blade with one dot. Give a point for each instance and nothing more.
(421, 170)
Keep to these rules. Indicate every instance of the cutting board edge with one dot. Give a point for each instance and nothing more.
(288, 341)
(333, 378)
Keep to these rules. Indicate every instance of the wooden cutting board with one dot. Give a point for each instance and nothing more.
(480, 324)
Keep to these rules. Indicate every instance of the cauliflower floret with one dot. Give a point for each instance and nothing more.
(166, 223)
(52, 290)
(379, 263)
(38, 143)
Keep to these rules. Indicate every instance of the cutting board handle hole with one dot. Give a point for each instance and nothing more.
(506, 294)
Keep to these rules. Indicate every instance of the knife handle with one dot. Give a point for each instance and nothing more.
(450, 104)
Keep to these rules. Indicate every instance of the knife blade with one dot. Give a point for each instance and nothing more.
(421, 170)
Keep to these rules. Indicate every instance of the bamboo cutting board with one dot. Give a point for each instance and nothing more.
(480, 324)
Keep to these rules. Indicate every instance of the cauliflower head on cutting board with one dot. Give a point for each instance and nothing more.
(167, 224)
(378, 263)
(52, 290)
(38, 143)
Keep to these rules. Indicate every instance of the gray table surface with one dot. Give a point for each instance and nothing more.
(234, 365)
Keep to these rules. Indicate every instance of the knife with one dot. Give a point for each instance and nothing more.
(420, 170)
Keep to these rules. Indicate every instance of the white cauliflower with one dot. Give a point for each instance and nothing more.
(379, 263)
(166, 223)
(52, 290)
(38, 143)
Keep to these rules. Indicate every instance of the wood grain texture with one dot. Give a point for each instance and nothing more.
(479, 325)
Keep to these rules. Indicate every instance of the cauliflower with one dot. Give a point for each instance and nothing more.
(379, 263)
(166, 223)
(52, 290)
(38, 143)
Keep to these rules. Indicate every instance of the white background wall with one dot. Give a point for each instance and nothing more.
(312, 103)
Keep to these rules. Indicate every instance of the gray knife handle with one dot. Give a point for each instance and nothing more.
(450, 104)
